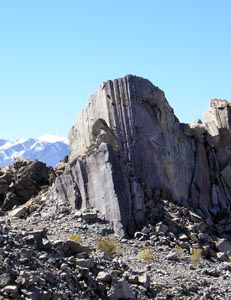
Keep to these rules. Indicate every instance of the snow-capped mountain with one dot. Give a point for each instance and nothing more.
(49, 149)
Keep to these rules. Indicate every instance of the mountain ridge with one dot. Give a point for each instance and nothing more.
(49, 149)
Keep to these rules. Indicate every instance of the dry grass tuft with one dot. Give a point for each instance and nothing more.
(179, 251)
(146, 254)
(108, 244)
(196, 256)
(76, 238)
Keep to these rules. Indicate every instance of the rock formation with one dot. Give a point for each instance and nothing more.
(23, 180)
(133, 163)
(127, 148)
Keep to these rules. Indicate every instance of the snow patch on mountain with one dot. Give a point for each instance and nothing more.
(49, 149)
(53, 138)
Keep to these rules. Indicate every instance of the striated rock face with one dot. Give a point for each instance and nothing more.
(127, 147)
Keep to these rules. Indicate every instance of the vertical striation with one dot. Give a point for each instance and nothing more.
(127, 144)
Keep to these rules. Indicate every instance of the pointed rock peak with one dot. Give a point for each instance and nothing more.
(219, 103)
(119, 103)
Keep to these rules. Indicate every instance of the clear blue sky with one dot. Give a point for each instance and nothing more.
(54, 54)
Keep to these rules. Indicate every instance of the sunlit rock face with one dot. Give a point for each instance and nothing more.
(127, 147)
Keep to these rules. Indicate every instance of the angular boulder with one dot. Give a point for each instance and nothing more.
(23, 180)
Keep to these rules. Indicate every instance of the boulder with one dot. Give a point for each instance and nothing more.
(224, 246)
(121, 290)
(23, 180)
(74, 247)
(18, 212)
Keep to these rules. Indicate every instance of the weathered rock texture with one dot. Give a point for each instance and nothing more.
(23, 180)
(127, 148)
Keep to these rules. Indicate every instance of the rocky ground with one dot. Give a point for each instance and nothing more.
(129, 156)
(62, 258)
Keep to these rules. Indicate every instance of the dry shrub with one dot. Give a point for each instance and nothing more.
(196, 255)
(179, 251)
(76, 238)
(108, 244)
(146, 254)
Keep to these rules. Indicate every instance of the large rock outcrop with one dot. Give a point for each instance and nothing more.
(127, 148)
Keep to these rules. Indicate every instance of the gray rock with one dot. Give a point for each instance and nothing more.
(4, 279)
(10, 289)
(84, 272)
(195, 218)
(21, 181)
(161, 228)
(89, 216)
(133, 278)
(172, 256)
(144, 279)
(85, 263)
(104, 276)
(140, 235)
(217, 117)
(143, 103)
(198, 129)
(127, 144)
(224, 245)
(18, 212)
(146, 230)
(222, 256)
(70, 246)
(226, 174)
(26, 254)
(53, 274)
(42, 243)
(121, 290)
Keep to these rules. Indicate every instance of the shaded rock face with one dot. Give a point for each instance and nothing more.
(23, 180)
(127, 146)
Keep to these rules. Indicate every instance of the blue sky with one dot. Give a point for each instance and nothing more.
(54, 54)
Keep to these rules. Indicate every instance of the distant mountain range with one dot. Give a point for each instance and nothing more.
(49, 149)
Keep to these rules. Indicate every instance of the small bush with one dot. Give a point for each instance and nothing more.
(76, 238)
(108, 244)
(146, 254)
(196, 255)
(179, 251)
